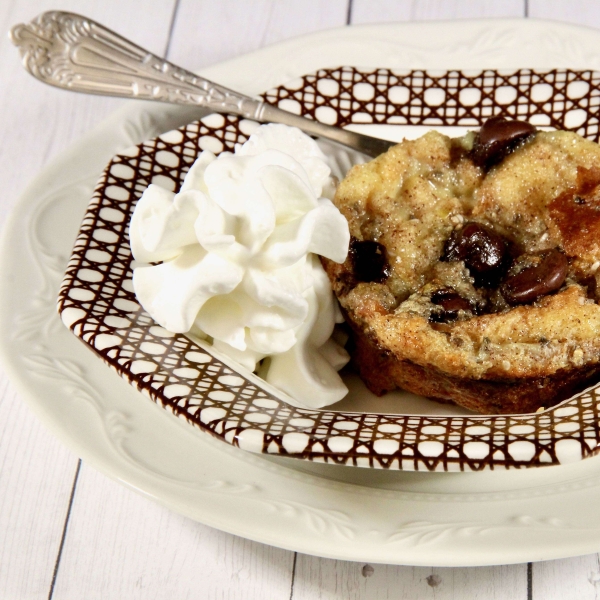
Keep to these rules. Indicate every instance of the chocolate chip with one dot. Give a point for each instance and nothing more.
(450, 302)
(442, 317)
(369, 261)
(483, 251)
(591, 286)
(533, 282)
(457, 152)
(497, 138)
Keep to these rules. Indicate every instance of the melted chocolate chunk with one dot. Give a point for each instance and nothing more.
(442, 317)
(546, 275)
(497, 138)
(451, 302)
(457, 153)
(591, 286)
(369, 261)
(483, 251)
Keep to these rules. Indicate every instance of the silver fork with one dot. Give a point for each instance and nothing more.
(75, 53)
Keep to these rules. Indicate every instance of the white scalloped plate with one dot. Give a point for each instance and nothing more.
(357, 514)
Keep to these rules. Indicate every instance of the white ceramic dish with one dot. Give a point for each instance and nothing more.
(407, 518)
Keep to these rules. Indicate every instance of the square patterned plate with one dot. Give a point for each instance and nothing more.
(185, 377)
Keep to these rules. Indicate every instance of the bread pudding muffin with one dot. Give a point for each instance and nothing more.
(473, 269)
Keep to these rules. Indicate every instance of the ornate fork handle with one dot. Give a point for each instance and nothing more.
(75, 53)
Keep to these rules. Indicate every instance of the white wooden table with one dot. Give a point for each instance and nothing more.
(66, 531)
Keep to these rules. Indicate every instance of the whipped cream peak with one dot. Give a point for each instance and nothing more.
(237, 247)
(291, 141)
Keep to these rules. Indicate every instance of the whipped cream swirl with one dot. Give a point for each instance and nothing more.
(237, 250)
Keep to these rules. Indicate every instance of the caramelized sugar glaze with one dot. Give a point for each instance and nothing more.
(473, 269)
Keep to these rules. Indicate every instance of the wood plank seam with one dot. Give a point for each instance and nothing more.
(294, 569)
(64, 532)
(78, 469)
(171, 28)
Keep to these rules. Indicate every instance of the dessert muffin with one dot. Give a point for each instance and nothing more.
(473, 268)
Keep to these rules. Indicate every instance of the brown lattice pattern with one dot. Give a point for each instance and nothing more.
(558, 98)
